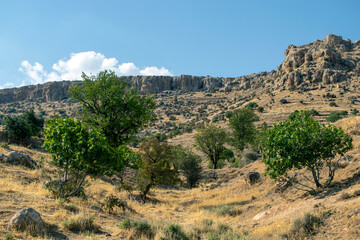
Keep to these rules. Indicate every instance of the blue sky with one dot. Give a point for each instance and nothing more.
(52, 40)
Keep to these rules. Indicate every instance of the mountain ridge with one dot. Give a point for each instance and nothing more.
(329, 61)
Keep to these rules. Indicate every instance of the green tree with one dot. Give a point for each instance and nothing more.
(302, 142)
(155, 166)
(36, 123)
(80, 152)
(210, 140)
(260, 136)
(110, 105)
(244, 130)
(188, 163)
(17, 130)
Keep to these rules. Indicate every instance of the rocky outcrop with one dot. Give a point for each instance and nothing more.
(329, 61)
(18, 158)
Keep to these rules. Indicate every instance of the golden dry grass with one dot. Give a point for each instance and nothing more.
(20, 187)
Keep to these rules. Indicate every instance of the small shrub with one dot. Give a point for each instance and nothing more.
(283, 101)
(252, 105)
(261, 109)
(354, 111)
(174, 232)
(112, 201)
(228, 114)
(172, 118)
(142, 228)
(336, 115)
(332, 104)
(250, 157)
(8, 236)
(81, 223)
(303, 227)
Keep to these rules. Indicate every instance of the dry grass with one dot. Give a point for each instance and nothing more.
(227, 201)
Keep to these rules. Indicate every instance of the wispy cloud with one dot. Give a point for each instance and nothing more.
(87, 62)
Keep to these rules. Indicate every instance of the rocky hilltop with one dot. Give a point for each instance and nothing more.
(329, 61)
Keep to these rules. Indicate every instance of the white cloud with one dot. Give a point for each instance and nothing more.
(88, 62)
(7, 85)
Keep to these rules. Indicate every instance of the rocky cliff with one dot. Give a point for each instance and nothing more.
(328, 61)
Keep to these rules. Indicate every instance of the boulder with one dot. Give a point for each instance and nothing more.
(28, 219)
(3, 157)
(253, 177)
(19, 158)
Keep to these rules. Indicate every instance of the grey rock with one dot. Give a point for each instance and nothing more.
(28, 218)
(19, 158)
(3, 157)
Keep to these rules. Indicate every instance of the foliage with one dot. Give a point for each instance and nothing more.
(19, 129)
(227, 154)
(155, 166)
(83, 152)
(336, 115)
(189, 164)
(252, 105)
(210, 140)
(260, 136)
(284, 101)
(303, 227)
(35, 123)
(303, 142)
(174, 232)
(81, 223)
(112, 201)
(244, 130)
(109, 105)
(141, 228)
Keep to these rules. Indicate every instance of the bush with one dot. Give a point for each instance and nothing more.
(336, 115)
(252, 105)
(141, 228)
(332, 104)
(189, 163)
(283, 101)
(354, 111)
(19, 129)
(174, 232)
(81, 223)
(303, 227)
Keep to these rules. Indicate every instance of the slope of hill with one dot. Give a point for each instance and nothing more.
(323, 75)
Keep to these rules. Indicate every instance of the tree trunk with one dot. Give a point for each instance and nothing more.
(78, 187)
(316, 177)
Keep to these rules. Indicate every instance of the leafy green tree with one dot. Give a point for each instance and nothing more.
(155, 166)
(80, 152)
(110, 105)
(188, 163)
(244, 130)
(36, 123)
(210, 140)
(302, 142)
(17, 130)
(260, 136)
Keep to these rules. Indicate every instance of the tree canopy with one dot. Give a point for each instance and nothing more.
(210, 140)
(155, 166)
(244, 130)
(81, 152)
(303, 142)
(110, 105)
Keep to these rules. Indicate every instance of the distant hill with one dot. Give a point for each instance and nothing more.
(328, 61)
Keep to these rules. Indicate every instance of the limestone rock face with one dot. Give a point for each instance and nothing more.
(28, 218)
(328, 61)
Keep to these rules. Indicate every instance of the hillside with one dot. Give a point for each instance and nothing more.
(323, 75)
